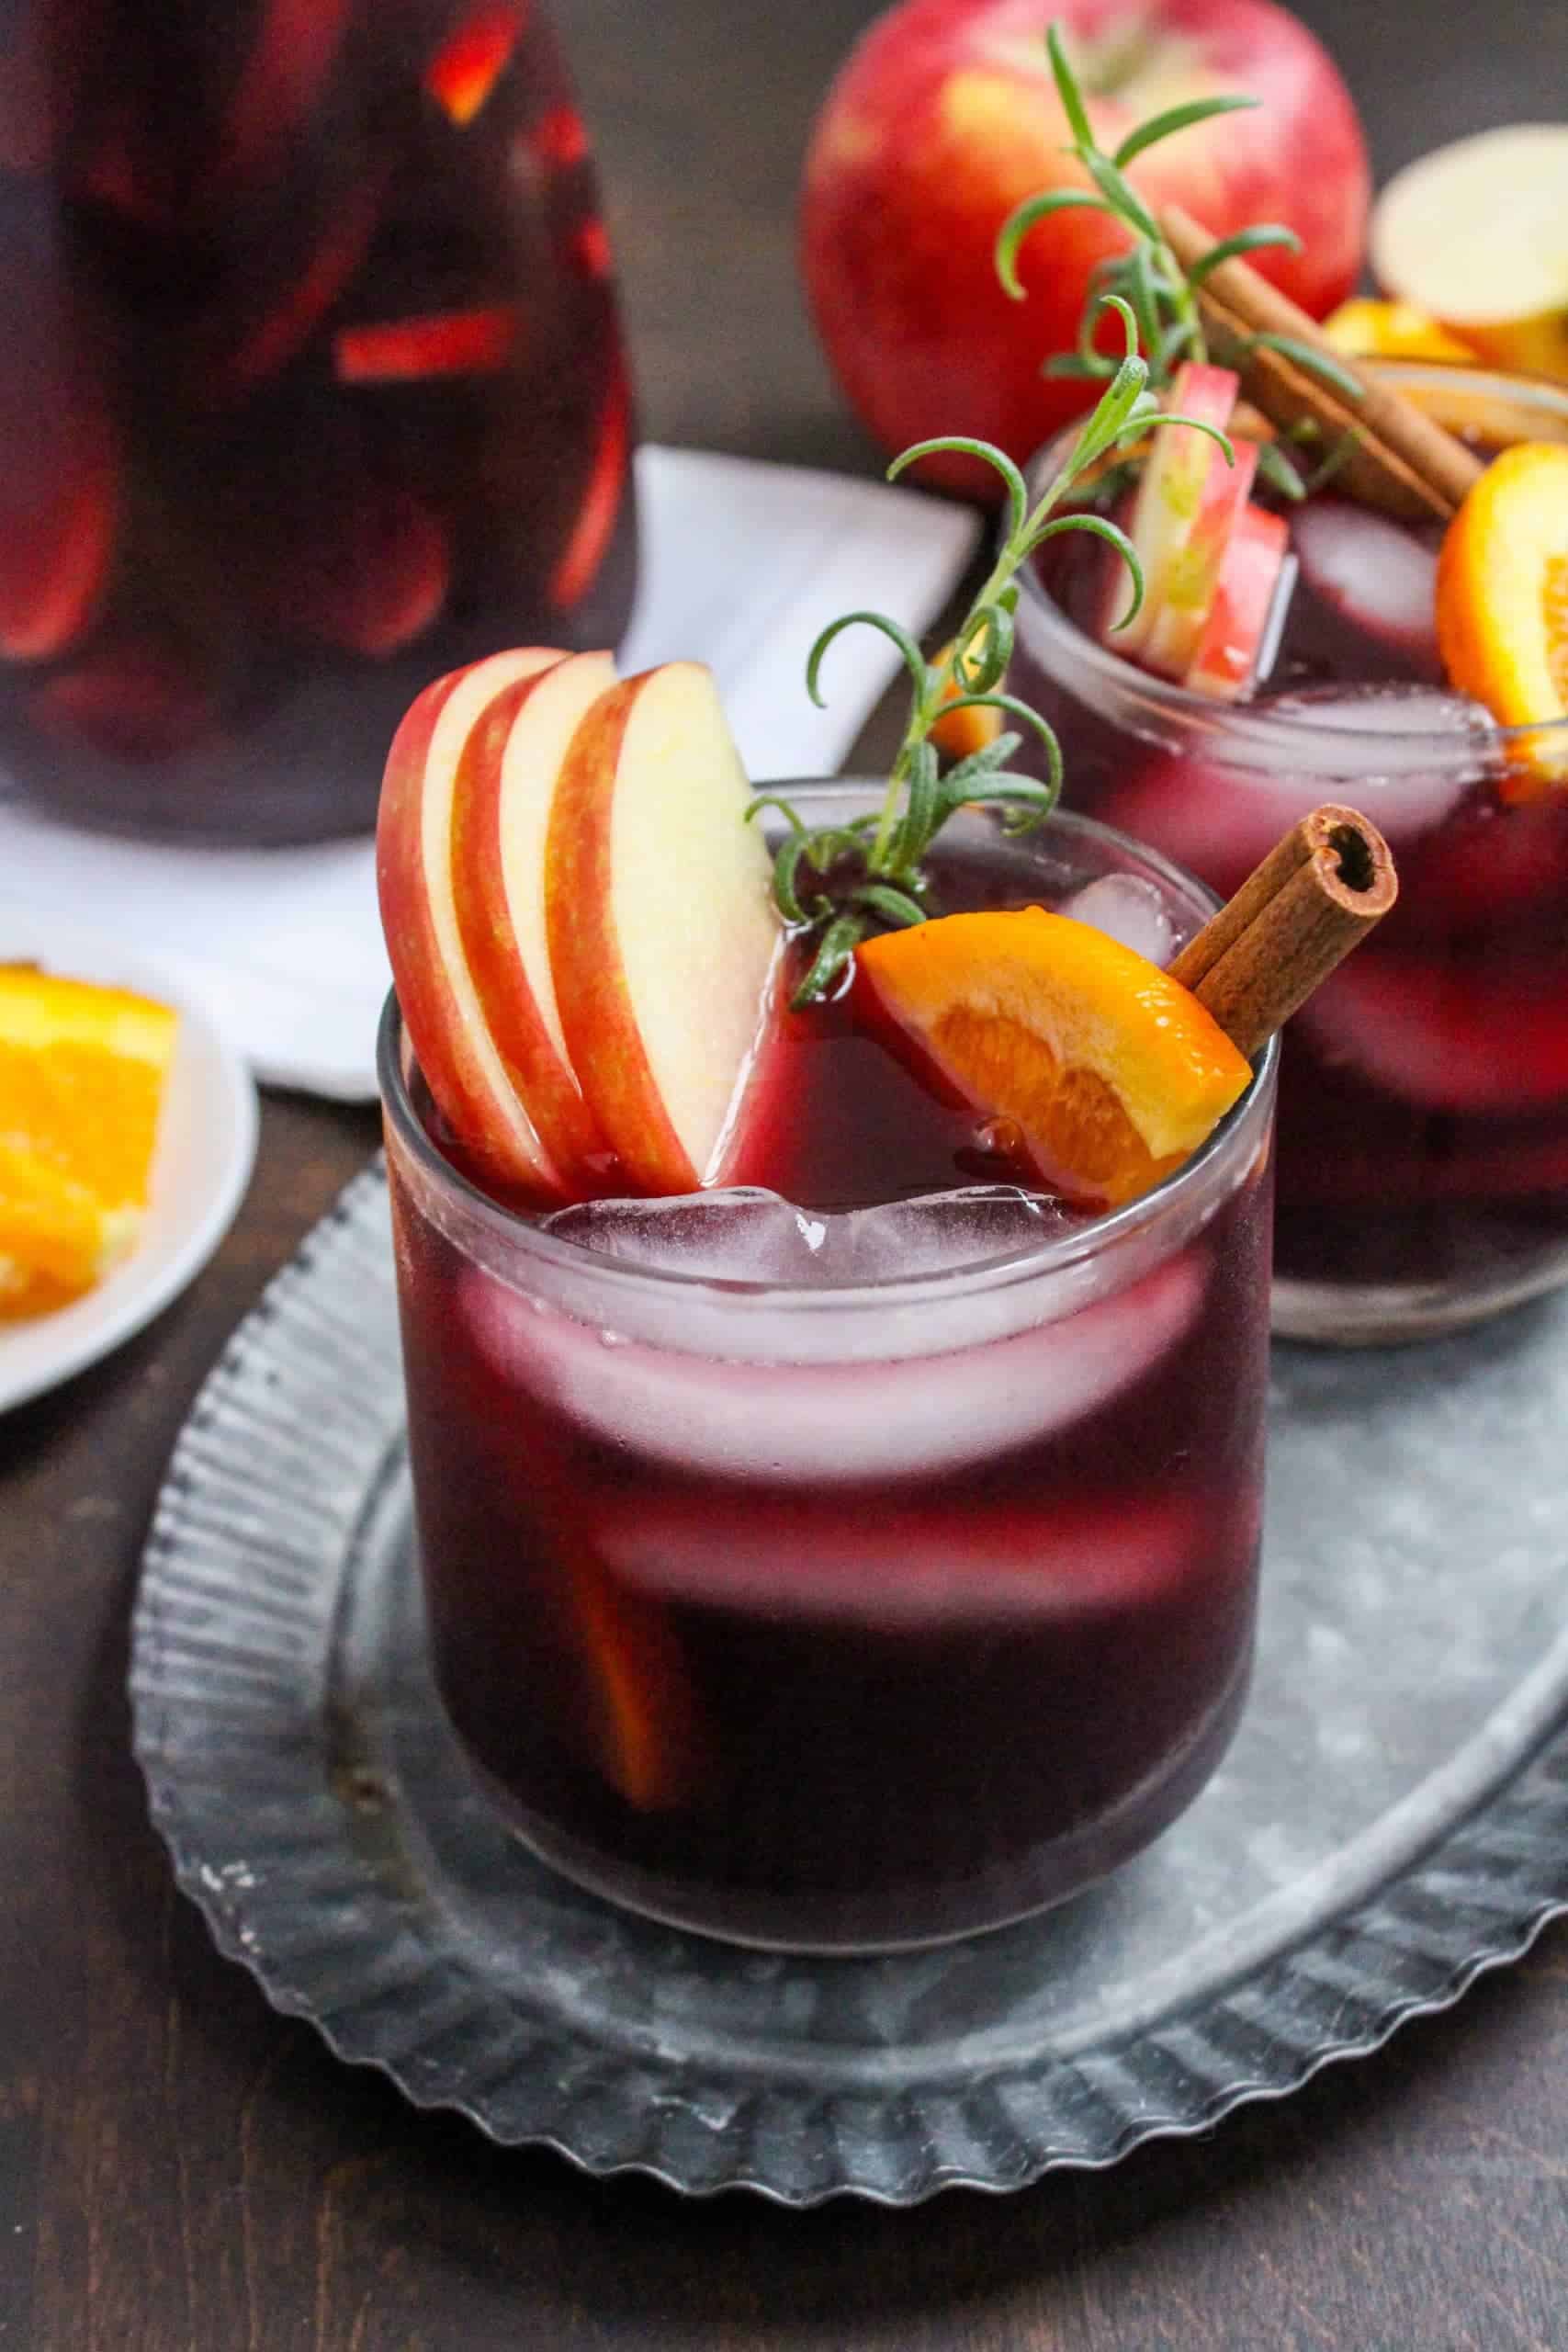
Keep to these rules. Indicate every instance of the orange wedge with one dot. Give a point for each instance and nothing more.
(1367, 330)
(1112, 1071)
(82, 1076)
(963, 732)
(1503, 601)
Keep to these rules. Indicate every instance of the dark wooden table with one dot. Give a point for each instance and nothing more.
(182, 2171)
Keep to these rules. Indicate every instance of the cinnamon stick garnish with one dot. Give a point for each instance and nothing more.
(1314, 897)
(1401, 459)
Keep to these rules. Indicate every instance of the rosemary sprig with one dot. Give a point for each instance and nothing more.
(1163, 294)
(835, 884)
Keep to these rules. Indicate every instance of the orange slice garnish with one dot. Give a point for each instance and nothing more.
(1110, 1071)
(1367, 330)
(1503, 601)
(81, 1077)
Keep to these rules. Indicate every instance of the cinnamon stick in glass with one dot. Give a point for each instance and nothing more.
(1402, 459)
(1314, 897)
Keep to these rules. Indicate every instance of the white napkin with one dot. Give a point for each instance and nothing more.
(742, 563)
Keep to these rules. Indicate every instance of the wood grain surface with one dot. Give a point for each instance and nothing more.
(182, 2171)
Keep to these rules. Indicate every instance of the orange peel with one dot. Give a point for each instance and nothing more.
(1111, 1072)
(1501, 604)
(1364, 329)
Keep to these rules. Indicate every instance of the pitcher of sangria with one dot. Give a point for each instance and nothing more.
(311, 389)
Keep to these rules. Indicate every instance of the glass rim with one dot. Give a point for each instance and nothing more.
(1094, 1239)
(1228, 729)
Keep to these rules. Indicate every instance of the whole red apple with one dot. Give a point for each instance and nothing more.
(945, 115)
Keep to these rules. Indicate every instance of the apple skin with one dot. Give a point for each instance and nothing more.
(513, 755)
(945, 117)
(459, 1060)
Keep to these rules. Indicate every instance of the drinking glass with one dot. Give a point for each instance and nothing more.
(835, 1613)
(1423, 1130)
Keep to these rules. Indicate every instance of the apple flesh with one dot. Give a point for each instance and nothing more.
(1181, 517)
(1473, 235)
(1230, 644)
(502, 798)
(945, 117)
(460, 1061)
(664, 944)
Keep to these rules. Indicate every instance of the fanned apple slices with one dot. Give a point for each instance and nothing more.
(579, 921)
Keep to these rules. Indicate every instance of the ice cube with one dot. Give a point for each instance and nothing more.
(1128, 908)
(880, 1420)
(1375, 573)
(948, 1559)
(741, 1234)
(748, 1234)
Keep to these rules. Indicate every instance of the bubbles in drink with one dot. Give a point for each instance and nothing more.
(1125, 907)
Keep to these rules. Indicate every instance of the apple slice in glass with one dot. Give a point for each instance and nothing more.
(663, 943)
(1225, 660)
(1172, 490)
(1193, 575)
(501, 812)
(461, 1063)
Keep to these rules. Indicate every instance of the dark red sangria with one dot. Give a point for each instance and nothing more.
(1423, 1135)
(312, 388)
(863, 1551)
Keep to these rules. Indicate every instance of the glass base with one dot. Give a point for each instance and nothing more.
(896, 1919)
(1373, 1315)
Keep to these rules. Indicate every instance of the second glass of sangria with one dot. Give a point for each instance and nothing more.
(1423, 1136)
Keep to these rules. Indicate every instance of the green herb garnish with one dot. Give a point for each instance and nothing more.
(835, 884)
(1149, 276)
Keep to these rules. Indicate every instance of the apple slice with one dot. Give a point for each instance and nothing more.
(663, 941)
(593, 525)
(500, 811)
(1473, 235)
(460, 1061)
(1193, 575)
(466, 68)
(1227, 656)
(1171, 490)
(446, 342)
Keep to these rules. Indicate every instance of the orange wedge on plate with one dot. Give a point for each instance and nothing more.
(1503, 601)
(82, 1076)
(1111, 1072)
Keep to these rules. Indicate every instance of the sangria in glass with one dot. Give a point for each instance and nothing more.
(1422, 1124)
(865, 1553)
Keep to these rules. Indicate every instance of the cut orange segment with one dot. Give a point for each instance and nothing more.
(81, 1077)
(1111, 1072)
(960, 733)
(1367, 330)
(1503, 601)
(56, 1240)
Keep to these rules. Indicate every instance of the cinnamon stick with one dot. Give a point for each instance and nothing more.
(1314, 897)
(1401, 460)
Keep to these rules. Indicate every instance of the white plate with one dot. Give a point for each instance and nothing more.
(206, 1143)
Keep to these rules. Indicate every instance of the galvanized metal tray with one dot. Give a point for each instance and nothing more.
(1392, 1819)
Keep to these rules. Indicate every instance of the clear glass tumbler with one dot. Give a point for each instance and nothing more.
(844, 1616)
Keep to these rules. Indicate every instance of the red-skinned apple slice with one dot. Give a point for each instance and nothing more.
(593, 525)
(663, 943)
(1171, 489)
(466, 68)
(446, 1027)
(1192, 577)
(446, 342)
(1226, 659)
(501, 813)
